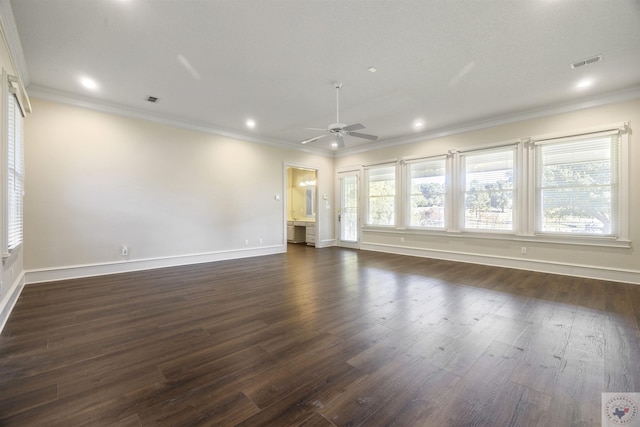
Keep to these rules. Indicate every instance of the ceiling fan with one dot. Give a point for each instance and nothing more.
(339, 130)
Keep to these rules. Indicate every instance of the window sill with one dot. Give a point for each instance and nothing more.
(609, 242)
(8, 255)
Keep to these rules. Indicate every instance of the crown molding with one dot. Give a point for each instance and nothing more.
(595, 101)
(48, 94)
(12, 39)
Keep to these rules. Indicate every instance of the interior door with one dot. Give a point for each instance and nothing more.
(348, 212)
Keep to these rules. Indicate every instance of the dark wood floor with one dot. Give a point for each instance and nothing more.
(319, 337)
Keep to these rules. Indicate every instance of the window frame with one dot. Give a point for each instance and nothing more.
(14, 100)
(524, 202)
(408, 193)
(367, 195)
(620, 166)
(461, 192)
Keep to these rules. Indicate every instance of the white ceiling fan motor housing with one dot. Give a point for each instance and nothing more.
(336, 127)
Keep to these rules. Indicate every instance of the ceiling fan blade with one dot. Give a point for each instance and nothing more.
(363, 135)
(315, 138)
(355, 126)
(316, 129)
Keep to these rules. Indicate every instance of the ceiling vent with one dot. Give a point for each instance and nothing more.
(153, 99)
(587, 61)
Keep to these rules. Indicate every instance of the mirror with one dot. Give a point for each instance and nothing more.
(301, 194)
(310, 197)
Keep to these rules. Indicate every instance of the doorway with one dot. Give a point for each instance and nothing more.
(348, 211)
(301, 205)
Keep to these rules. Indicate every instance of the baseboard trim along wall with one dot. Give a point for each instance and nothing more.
(326, 243)
(79, 271)
(10, 299)
(600, 273)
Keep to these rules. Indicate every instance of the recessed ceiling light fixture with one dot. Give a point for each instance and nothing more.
(372, 69)
(88, 83)
(418, 124)
(584, 83)
(250, 123)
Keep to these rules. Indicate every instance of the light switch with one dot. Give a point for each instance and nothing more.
(277, 197)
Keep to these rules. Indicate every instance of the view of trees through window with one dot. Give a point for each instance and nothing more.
(576, 186)
(489, 190)
(572, 189)
(382, 195)
(427, 182)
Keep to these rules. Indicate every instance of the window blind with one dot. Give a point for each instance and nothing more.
(578, 185)
(489, 189)
(15, 172)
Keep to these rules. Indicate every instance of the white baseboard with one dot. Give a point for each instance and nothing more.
(600, 273)
(10, 299)
(89, 270)
(326, 243)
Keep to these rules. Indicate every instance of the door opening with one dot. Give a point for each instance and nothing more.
(348, 212)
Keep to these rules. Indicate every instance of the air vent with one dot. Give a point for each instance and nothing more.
(587, 61)
(153, 99)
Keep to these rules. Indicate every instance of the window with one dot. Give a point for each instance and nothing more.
(563, 188)
(14, 106)
(427, 193)
(15, 173)
(381, 195)
(577, 185)
(489, 189)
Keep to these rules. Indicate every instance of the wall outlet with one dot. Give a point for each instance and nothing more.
(124, 251)
(246, 242)
(523, 250)
(260, 240)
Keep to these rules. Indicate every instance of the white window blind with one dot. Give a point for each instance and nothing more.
(578, 185)
(15, 174)
(381, 195)
(427, 193)
(489, 189)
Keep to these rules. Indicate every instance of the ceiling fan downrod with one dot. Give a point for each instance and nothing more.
(338, 85)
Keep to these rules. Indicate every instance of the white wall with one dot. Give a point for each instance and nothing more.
(622, 264)
(98, 181)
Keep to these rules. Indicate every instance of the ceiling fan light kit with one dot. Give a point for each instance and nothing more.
(339, 130)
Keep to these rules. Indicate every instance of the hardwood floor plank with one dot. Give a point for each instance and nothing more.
(319, 337)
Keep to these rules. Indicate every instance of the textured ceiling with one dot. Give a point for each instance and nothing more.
(216, 63)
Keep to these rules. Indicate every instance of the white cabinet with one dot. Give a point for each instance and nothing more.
(301, 232)
(290, 231)
(310, 235)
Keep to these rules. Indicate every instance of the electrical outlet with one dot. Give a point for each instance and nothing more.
(523, 250)
(246, 242)
(124, 251)
(260, 240)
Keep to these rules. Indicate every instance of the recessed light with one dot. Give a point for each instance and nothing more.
(372, 69)
(250, 123)
(584, 83)
(88, 83)
(418, 124)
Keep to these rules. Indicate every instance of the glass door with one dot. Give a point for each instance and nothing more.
(348, 214)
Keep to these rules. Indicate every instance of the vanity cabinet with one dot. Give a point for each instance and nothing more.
(301, 232)
(310, 235)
